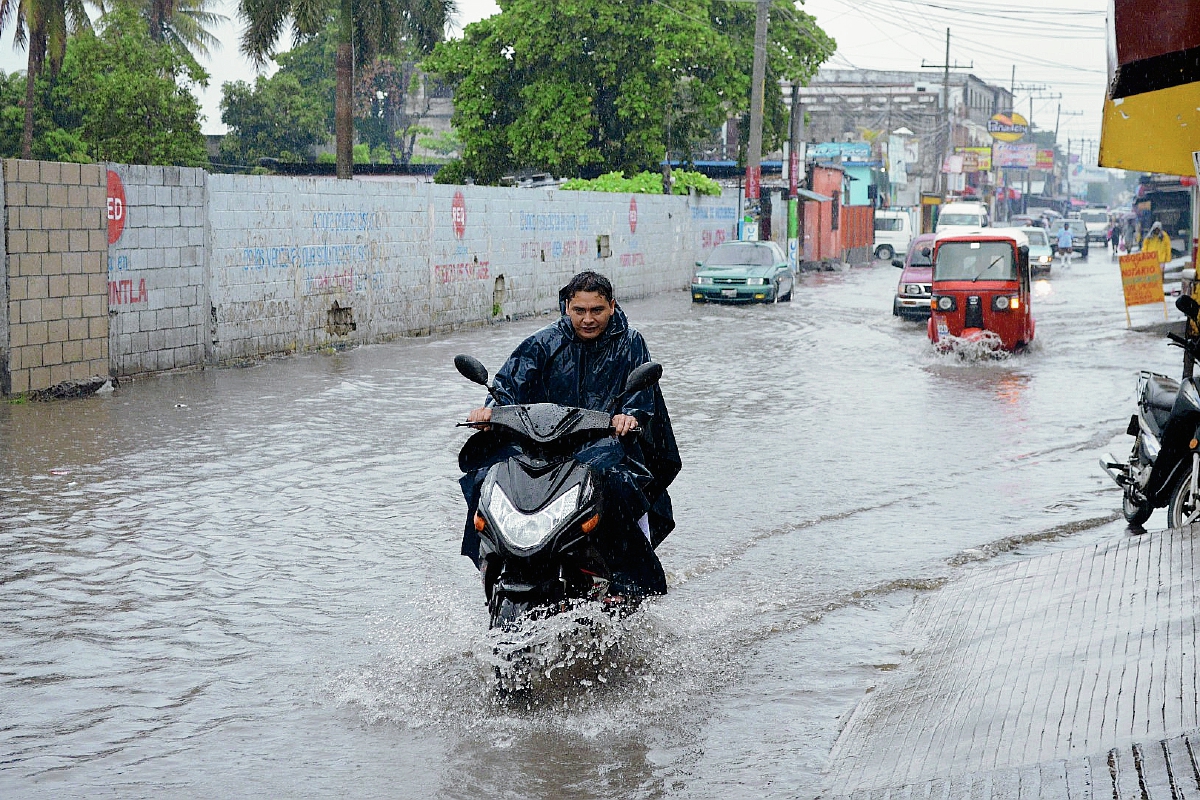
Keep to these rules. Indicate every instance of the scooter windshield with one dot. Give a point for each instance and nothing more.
(971, 261)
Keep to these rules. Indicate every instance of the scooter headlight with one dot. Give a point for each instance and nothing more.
(528, 531)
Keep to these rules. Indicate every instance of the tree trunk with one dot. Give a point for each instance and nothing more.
(32, 68)
(343, 120)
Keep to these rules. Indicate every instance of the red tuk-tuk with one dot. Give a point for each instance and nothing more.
(981, 289)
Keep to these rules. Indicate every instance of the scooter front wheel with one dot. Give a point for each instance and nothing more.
(1184, 507)
(1135, 513)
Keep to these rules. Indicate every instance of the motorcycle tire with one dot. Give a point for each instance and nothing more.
(508, 614)
(1184, 509)
(1135, 513)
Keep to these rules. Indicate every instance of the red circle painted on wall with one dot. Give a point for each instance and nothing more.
(633, 215)
(116, 207)
(458, 214)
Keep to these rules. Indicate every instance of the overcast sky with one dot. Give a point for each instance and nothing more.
(1057, 49)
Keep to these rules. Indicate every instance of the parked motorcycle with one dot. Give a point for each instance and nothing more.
(1163, 468)
(540, 510)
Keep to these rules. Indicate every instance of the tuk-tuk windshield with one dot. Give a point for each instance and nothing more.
(968, 261)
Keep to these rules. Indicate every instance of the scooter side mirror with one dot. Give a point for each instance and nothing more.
(471, 369)
(642, 377)
(1188, 306)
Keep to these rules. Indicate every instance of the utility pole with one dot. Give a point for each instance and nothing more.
(754, 147)
(945, 139)
(795, 162)
(1031, 89)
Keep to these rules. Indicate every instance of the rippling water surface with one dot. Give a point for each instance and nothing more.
(245, 582)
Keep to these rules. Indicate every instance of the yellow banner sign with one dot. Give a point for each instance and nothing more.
(1141, 278)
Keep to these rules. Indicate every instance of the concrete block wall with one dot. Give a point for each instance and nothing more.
(158, 298)
(284, 251)
(56, 248)
(304, 263)
(123, 270)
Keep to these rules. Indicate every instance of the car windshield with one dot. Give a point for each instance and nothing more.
(1094, 216)
(740, 255)
(974, 260)
(959, 219)
(1036, 238)
(889, 224)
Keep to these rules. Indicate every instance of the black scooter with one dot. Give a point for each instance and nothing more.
(540, 509)
(1164, 467)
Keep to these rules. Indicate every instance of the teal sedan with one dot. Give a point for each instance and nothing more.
(744, 272)
(1041, 253)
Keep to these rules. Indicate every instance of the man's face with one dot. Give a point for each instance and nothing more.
(589, 313)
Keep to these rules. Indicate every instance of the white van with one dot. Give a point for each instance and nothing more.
(893, 233)
(965, 216)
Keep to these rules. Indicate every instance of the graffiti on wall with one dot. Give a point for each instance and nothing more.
(710, 237)
(467, 271)
(557, 248)
(124, 292)
(553, 221)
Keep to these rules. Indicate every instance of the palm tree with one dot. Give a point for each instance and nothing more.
(183, 23)
(42, 28)
(366, 28)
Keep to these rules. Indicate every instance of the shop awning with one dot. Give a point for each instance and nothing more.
(1152, 108)
(820, 198)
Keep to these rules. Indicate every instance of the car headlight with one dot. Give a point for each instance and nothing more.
(1003, 303)
(1043, 259)
(701, 280)
(945, 303)
(912, 288)
(529, 531)
(756, 281)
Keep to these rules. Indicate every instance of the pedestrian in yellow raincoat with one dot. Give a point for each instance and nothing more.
(1158, 243)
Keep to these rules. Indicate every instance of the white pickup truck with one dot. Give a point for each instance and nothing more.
(1096, 222)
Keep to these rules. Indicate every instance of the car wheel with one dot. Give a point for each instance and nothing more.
(884, 252)
(895, 307)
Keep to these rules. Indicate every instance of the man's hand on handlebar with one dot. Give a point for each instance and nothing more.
(624, 423)
(481, 416)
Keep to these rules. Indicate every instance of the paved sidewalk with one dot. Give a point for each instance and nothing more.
(1069, 675)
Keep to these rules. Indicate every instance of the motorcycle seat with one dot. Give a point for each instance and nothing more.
(1160, 392)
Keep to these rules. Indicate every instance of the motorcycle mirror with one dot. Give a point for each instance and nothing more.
(1188, 306)
(471, 369)
(926, 251)
(643, 376)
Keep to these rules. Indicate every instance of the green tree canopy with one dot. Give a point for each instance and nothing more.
(129, 98)
(580, 87)
(119, 96)
(278, 117)
(364, 30)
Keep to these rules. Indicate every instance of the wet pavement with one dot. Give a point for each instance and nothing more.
(1072, 674)
(246, 581)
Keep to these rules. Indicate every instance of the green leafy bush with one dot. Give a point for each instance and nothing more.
(645, 183)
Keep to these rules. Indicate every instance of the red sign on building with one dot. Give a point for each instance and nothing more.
(633, 215)
(116, 207)
(458, 214)
(753, 175)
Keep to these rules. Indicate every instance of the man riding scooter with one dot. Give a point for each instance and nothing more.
(582, 360)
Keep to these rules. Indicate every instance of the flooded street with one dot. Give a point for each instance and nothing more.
(246, 581)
